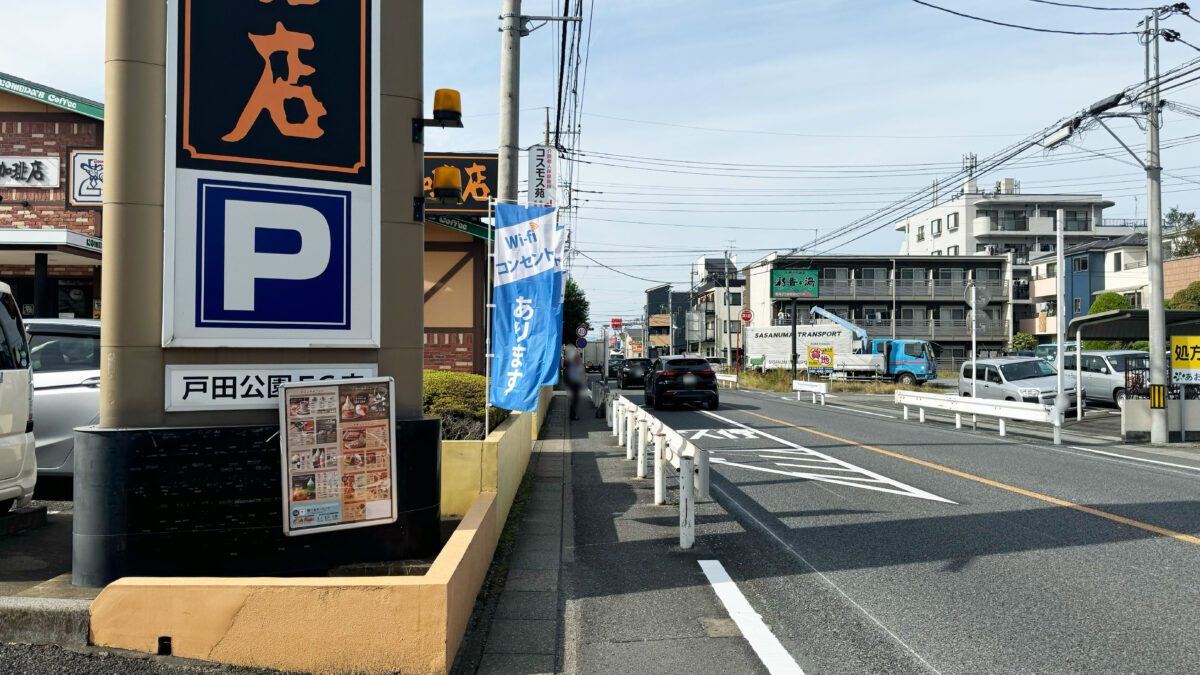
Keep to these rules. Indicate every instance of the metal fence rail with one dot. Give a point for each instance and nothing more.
(1001, 410)
(637, 429)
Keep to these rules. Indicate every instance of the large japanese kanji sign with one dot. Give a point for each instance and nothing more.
(272, 207)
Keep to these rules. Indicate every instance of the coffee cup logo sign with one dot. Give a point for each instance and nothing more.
(272, 217)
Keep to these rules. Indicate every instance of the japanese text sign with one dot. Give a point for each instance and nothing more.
(29, 172)
(527, 299)
(820, 359)
(249, 387)
(541, 175)
(272, 222)
(794, 284)
(1185, 359)
(338, 455)
(478, 175)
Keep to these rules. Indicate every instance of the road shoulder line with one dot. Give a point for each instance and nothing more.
(764, 643)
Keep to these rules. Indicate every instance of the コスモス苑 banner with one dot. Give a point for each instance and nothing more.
(527, 294)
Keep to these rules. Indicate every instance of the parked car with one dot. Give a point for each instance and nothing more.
(681, 379)
(1050, 351)
(1103, 372)
(633, 372)
(717, 363)
(1033, 380)
(18, 463)
(65, 354)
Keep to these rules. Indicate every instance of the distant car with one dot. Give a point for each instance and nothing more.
(614, 366)
(633, 372)
(66, 387)
(717, 363)
(1103, 372)
(681, 379)
(1033, 380)
(18, 463)
(1050, 351)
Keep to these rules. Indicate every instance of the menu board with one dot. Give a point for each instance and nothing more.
(337, 442)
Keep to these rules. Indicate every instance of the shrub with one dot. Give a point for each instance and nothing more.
(1022, 342)
(1106, 302)
(458, 398)
(1186, 298)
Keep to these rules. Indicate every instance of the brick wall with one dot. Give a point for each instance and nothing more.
(1178, 273)
(20, 137)
(449, 350)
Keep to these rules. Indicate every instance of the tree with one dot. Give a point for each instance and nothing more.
(1186, 298)
(1022, 342)
(1106, 302)
(1187, 243)
(575, 311)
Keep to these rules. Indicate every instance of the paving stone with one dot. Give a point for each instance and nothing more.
(516, 664)
(528, 605)
(531, 580)
(522, 636)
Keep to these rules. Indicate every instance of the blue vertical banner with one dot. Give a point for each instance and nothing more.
(527, 317)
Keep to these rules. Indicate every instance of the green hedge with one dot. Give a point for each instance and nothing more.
(459, 398)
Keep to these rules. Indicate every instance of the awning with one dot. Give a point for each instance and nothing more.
(64, 247)
(1133, 324)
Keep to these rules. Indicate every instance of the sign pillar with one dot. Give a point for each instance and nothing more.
(231, 195)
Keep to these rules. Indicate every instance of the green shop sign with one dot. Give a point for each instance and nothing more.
(58, 99)
(470, 227)
(794, 284)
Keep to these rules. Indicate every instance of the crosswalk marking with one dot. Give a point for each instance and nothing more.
(848, 474)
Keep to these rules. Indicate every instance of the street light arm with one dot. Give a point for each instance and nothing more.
(1123, 145)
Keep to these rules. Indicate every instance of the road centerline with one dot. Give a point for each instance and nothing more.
(997, 484)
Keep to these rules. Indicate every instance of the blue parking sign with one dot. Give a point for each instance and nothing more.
(272, 256)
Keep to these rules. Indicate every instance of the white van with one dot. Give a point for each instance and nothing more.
(18, 461)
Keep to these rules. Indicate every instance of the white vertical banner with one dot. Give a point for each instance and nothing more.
(541, 175)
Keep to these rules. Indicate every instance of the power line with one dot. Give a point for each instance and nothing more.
(613, 269)
(1032, 28)
(1102, 9)
(793, 133)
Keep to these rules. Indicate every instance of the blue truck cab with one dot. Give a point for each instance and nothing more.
(908, 361)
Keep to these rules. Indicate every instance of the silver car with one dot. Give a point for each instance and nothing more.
(1103, 372)
(1027, 379)
(66, 387)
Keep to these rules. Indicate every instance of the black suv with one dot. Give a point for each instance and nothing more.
(681, 379)
(633, 371)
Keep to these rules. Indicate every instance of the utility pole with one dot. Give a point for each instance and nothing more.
(670, 320)
(728, 337)
(1158, 315)
(513, 26)
(1060, 299)
(510, 100)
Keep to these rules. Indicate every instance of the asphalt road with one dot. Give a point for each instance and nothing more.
(891, 546)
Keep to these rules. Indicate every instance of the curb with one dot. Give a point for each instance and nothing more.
(19, 520)
(44, 621)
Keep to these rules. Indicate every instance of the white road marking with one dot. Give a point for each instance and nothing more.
(764, 643)
(1134, 459)
(888, 485)
(866, 412)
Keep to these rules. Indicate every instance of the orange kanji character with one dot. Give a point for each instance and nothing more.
(271, 92)
(476, 188)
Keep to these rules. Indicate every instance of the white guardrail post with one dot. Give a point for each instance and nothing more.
(642, 437)
(630, 429)
(687, 504)
(660, 469)
(619, 421)
(814, 388)
(701, 456)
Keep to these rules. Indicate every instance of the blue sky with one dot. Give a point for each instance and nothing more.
(804, 82)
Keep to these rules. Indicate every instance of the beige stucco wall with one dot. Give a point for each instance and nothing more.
(454, 303)
(1178, 273)
(324, 625)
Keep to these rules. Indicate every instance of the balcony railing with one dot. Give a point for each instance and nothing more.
(1134, 264)
(1123, 222)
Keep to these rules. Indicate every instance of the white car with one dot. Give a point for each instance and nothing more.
(65, 354)
(18, 463)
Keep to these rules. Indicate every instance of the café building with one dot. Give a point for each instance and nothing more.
(51, 193)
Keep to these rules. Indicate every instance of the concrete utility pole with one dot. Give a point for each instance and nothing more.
(1154, 261)
(1060, 299)
(728, 337)
(510, 99)
(512, 29)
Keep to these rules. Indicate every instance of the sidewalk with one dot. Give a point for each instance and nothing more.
(597, 581)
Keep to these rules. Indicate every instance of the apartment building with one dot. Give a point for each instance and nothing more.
(898, 296)
(713, 326)
(667, 316)
(1092, 267)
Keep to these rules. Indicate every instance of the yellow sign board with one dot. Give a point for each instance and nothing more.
(820, 359)
(1185, 359)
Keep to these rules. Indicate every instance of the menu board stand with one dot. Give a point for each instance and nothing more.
(338, 455)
